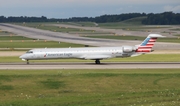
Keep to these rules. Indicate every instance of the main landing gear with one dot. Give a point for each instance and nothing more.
(97, 61)
(27, 61)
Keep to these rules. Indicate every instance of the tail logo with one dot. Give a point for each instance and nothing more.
(147, 44)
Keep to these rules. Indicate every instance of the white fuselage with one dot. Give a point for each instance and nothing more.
(91, 53)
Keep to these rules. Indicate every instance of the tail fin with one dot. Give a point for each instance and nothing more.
(148, 43)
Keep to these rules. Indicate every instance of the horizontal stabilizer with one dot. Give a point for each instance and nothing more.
(155, 36)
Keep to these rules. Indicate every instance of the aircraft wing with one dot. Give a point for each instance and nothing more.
(94, 57)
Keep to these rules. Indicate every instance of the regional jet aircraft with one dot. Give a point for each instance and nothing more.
(92, 53)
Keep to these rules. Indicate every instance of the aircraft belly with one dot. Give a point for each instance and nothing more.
(94, 57)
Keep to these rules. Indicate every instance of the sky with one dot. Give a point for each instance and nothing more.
(84, 8)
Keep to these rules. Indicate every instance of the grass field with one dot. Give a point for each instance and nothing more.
(37, 44)
(122, 87)
(177, 29)
(5, 33)
(22, 42)
(87, 24)
(4, 38)
(142, 58)
(133, 24)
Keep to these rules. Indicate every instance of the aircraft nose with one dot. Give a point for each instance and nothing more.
(22, 56)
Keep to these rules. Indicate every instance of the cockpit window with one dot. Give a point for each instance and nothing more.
(29, 52)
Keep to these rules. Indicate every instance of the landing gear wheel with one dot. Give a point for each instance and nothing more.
(97, 61)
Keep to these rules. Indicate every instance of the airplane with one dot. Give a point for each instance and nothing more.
(92, 53)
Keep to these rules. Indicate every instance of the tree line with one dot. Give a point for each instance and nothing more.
(23, 19)
(166, 18)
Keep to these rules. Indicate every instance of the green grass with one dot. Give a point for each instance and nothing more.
(142, 58)
(133, 24)
(52, 84)
(129, 25)
(134, 21)
(89, 24)
(111, 87)
(14, 38)
(37, 44)
(171, 40)
(177, 29)
(23, 42)
(177, 35)
(5, 33)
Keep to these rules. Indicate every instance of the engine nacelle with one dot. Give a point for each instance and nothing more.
(128, 49)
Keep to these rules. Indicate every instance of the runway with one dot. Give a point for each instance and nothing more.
(120, 65)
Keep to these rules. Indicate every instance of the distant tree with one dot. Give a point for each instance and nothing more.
(2, 19)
